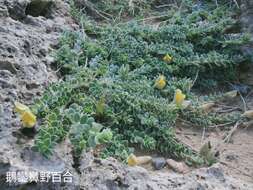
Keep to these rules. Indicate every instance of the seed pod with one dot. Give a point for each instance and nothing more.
(186, 104)
(133, 160)
(20, 108)
(143, 160)
(248, 114)
(207, 106)
(230, 94)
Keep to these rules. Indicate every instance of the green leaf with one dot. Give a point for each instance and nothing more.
(91, 141)
(96, 127)
(104, 137)
(84, 119)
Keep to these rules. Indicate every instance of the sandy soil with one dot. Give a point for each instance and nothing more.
(236, 156)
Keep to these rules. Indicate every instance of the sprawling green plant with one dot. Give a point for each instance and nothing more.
(127, 104)
(108, 97)
(206, 41)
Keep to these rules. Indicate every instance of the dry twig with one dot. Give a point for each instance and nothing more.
(231, 132)
(222, 125)
(244, 103)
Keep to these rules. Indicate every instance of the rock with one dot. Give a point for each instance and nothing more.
(16, 9)
(39, 8)
(216, 172)
(158, 163)
(110, 174)
(24, 71)
(86, 160)
(242, 88)
(180, 167)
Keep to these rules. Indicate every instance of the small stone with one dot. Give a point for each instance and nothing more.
(179, 167)
(158, 163)
(242, 88)
(231, 157)
(217, 172)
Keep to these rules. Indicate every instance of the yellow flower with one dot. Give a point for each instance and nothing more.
(132, 160)
(20, 108)
(179, 97)
(28, 119)
(160, 82)
(167, 58)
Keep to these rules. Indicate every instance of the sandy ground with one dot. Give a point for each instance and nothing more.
(236, 156)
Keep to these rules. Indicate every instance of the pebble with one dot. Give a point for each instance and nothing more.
(179, 167)
(158, 163)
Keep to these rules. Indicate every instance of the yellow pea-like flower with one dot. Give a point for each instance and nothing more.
(179, 97)
(28, 119)
(167, 58)
(132, 160)
(160, 82)
(20, 108)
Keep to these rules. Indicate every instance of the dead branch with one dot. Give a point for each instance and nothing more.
(231, 132)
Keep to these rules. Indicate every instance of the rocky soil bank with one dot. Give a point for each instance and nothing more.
(29, 31)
